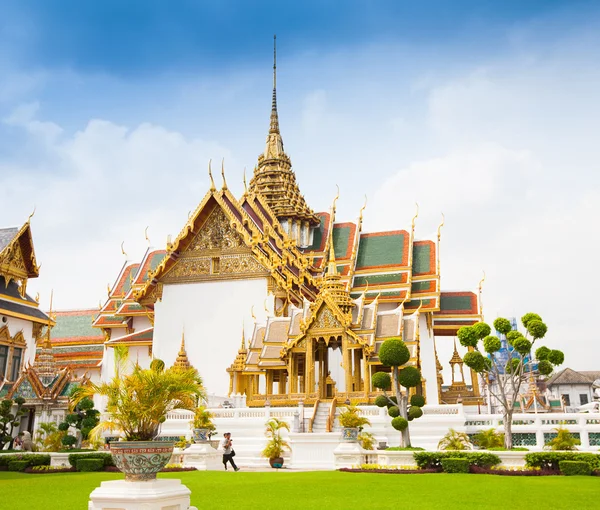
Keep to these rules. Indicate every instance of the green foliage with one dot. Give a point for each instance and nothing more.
(393, 353)
(491, 344)
(542, 353)
(203, 419)
(404, 449)
(276, 444)
(512, 366)
(502, 325)
(467, 336)
(409, 377)
(31, 459)
(564, 440)
(104, 456)
(88, 464)
(453, 465)
(481, 330)
(381, 380)
(511, 336)
(381, 400)
(18, 465)
(69, 440)
(399, 423)
(366, 440)
(417, 400)
(64, 426)
(545, 367)
(349, 418)
(537, 329)
(139, 402)
(573, 467)
(84, 417)
(551, 460)
(9, 420)
(556, 357)
(528, 317)
(522, 346)
(72, 418)
(414, 412)
(394, 411)
(476, 361)
(429, 460)
(489, 438)
(455, 440)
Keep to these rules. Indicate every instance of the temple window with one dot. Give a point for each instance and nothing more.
(3, 360)
(16, 364)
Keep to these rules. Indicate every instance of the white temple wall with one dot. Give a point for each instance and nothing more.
(14, 326)
(211, 314)
(141, 323)
(138, 354)
(428, 365)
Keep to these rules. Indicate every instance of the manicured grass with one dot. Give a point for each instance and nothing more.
(330, 490)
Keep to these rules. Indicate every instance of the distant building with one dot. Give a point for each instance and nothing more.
(574, 388)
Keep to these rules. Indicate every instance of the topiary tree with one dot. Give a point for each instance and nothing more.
(511, 373)
(83, 417)
(394, 353)
(10, 420)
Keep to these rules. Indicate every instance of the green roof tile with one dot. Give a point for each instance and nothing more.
(422, 258)
(341, 238)
(381, 250)
(456, 302)
(74, 324)
(378, 279)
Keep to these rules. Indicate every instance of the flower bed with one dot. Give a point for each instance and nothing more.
(41, 470)
(376, 468)
(512, 471)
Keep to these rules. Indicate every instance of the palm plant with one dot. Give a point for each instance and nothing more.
(276, 444)
(366, 440)
(349, 418)
(138, 403)
(489, 439)
(564, 440)
(455, 440)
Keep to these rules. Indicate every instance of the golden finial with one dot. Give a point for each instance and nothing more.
(366, 289)
(415, 217)
(252, 312)
(243, 346)
(123, 249)
(108, 288)
(146, 235)
(212, 182)
(31, 215)
(404, 300)
(480, 287)
(37, 298)
(223, 173)
(169, 240)
(99, 305)
(245, 185)
(334, 203)
(439, 232)
(360, 216)
(189, 213)
(182, 361)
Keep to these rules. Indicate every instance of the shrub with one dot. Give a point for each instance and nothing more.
(550, 460)
(394, 411)
(455, 440)
(417, 400)
(106, 458)
(69, 440)
(574, 467)
(38, 460)
(393, 352)
(381, 401)
(564, 440)
(404, 448)
(428, 460)
(450, 465)
(382, 381)
(18, 465)
(487, 439)
(399, 423)
(90, 465)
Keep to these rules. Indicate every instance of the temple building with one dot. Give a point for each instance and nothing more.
(315, 298)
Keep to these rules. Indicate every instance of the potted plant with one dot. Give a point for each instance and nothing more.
(203, 425)
(351, 423)
(276, 444)
(137, 405)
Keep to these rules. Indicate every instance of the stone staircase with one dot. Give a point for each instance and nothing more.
(320, 423)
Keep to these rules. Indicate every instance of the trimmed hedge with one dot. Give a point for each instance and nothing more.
(450, 465)
(429, 460)
(17, 465)
(551, 460)
(106, 458)
(574, 467)
(32, 459)
(87, 465)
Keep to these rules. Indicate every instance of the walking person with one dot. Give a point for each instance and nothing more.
(228, 451)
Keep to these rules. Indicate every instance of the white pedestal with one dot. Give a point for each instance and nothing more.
(348, 455)
(154, 495)
(203, 457)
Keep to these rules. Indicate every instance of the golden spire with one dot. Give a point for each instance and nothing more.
(243, 346)
(45, 363)
(212, 182)
(415, 217)
(146, 236)
(360, 216)
(182, 359)
(245, 184)
(479, 295)
(223, 173)
(274, 125)
(456, 359)
(123, 249)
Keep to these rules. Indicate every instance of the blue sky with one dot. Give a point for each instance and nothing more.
(485, 111)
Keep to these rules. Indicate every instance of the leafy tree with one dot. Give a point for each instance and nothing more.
(510, 374)
(489, 439)
(394, 353)
(455, 440)
(10, 420)
(564, 440)
(83, 417)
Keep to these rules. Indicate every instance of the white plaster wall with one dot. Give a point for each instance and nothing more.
(138, 354)
(211, 314)
(140, 323)
(428, 365)
(573, 390)
(16, 325)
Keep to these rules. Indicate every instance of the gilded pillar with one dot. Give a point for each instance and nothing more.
(269, 380)
(309, 367)
(357, 378)
(367, 377)
(347, 365)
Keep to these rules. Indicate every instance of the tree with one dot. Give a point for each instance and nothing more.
(394, 353)
(83, 417)
(509, 374)
(455, 440)
(10, 420)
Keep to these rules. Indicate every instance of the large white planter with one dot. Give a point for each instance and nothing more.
(203, 457)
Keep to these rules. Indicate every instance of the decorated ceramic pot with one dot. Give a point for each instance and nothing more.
(201, 435)
(350, 434)
(141, 460)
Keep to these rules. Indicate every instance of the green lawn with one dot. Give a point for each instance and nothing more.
(327, 490)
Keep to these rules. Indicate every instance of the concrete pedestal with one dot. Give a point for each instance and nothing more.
(153, 495)
(203, 457)
(348, 455)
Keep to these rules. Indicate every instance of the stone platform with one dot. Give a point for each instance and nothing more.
(151, 495)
